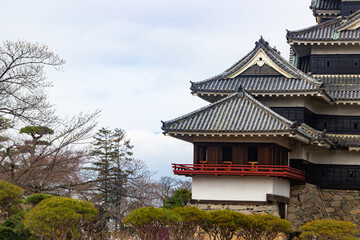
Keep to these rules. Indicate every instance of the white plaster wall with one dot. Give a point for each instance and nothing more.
(235, 188)
(335, 49)
(281, 187)
(334, 157)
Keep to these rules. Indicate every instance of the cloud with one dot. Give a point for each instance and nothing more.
(134, 58)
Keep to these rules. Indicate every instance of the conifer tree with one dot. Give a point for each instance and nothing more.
(116, 172)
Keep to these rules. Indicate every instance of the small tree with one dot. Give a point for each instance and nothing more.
(185, 223)
(328, 229)
(36, 198)
(265, 227)
(149, 222)
(179, 199)
(56, 217)
(10, 198)
(222, 224)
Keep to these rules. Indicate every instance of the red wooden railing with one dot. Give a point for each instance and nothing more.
(239, 170)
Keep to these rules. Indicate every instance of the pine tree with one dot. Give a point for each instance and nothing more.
(115, 171)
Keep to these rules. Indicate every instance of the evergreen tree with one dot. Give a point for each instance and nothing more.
(116, 172)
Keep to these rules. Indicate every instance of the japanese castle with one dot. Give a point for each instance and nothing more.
(273, 123)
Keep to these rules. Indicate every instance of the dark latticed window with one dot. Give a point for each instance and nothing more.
(252, 154)
(227, 154)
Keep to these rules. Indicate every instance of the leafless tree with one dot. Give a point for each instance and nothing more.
(46, 160)
(166, 186)
(22, 81)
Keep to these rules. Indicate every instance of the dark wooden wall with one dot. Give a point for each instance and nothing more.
(268, 153)
(329, 175)
(335, 64)
(333, 124)
(348, 8)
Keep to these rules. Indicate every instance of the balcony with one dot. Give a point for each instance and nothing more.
(240, 170)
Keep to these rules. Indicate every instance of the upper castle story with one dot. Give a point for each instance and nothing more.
(325, 10)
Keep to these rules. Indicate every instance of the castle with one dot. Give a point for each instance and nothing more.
(274, 127)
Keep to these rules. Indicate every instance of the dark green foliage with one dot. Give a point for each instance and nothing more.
(149, 222)
(36, 198)
(36, 131)
(328, 230)
(13, 228)
(111, 154)
(178, 199)
(116, 174)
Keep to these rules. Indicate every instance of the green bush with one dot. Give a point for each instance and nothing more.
(149, 222)
(185, 222)
(223, 224)
(36, 198)
(265, 227)
(10, 199)
(13, 228)
(329, 230)
(57, 217)
(178, 199)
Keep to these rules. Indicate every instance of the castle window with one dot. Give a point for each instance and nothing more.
(351, 174)
(202, 154)
(355, 125)
(328, 64)
(325, 125)
(252, 154)
(227, 154)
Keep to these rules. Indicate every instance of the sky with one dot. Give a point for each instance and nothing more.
(134, 59)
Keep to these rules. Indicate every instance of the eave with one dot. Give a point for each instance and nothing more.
(321, 94)
(323, 42)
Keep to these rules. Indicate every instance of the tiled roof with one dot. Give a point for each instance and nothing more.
(239, 112)
(345, 141)
(259, 82)
(325, 4)
(342, 87)
(254, 84)
(331, 30)
(310, 132)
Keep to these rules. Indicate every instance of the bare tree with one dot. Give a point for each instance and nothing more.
(47, 160)
(38, 151)
(166, 186)
(22, 81)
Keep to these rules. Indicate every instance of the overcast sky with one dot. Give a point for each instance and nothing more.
(134, 58)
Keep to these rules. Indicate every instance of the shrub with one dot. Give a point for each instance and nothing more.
(185, 222)
(13, 228)
(10, 199)
(328, 229)
(149, 222)
(178, 199)
(36, 198)
(57, 217)
(222, 224)
(265, 227)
